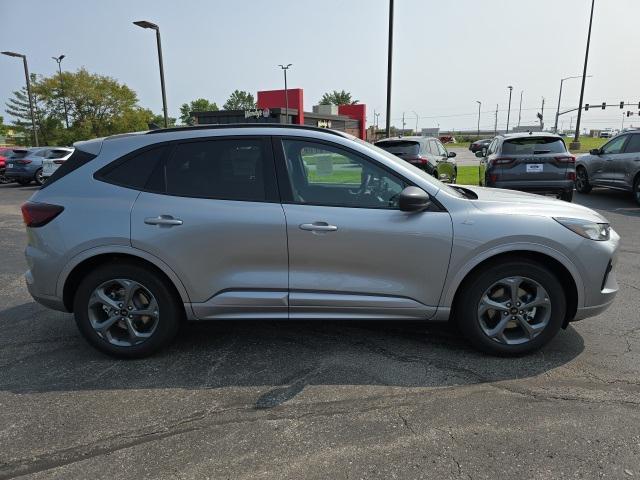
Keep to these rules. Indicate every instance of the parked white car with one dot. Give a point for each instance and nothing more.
(54, 159)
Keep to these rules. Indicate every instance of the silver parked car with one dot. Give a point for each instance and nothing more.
(615, 165)
(135, 233)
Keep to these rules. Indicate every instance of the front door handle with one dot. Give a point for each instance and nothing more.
(318, 227)
(163, 221)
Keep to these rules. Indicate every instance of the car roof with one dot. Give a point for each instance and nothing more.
(230, 126)
(411, 138)
(507, 136)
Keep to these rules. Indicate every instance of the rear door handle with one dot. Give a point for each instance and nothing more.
(318, 227)
(163, 221)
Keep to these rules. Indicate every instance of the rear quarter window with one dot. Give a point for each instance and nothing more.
(134, 169)
(533, 146)
(77, 159)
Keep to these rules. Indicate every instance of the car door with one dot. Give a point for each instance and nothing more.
(446, 167)
(352, 252)
(211, 213)
(603, 168)
(484, 160)
(627, 164)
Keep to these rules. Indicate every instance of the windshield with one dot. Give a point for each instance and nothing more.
(533, 146)
(434, 181)
(400, 147)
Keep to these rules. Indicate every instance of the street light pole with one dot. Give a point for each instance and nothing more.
(576, 140)
(64, 98)
(479, 105)
(560, 98)
(389, 64)
(153, 26)
(509, 110)
(286, 91)
(520, 109)
(28, 80)
(417, 119)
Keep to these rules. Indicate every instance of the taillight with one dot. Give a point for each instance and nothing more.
(23, 162)
(503, 161)
(417, 160)
(566, 159)
(571, 176)
(39, 214)
(493, 178)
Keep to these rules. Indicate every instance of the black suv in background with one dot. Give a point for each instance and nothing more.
(426, 153)
(530, 162)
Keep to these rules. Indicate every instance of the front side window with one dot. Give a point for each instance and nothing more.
(633, 146)
(614, 146)
(325, 175)
(433, 148)
(441, 150)
(227, 169)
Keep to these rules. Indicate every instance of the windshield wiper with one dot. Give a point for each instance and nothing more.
(537, 152)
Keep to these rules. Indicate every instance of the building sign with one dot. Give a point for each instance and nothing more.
(324, 123)
(257, 113)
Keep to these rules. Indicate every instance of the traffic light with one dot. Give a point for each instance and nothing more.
(586, 106)
(621, 105)
(628, 113)
(604, 105)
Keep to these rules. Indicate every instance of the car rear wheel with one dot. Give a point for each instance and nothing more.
(582, 180)
(39, 179)
(126, 311)
(511, 308)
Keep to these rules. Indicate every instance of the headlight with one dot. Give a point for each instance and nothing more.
(586, 228)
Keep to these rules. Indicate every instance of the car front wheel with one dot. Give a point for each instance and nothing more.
(39, 179)
(127, 311)
(582, 180)
(511, 308)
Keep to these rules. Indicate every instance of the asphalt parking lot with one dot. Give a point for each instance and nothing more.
(335, 400)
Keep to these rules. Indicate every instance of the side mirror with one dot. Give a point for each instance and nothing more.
(595, 151)
(451, 154)
(414, 199)
(481, 153)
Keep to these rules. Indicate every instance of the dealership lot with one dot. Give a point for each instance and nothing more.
(283, 399)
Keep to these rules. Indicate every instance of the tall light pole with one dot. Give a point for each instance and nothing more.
(520, 109)
(509, 110)
(64, 98)
(417, 119)
(576, 140)
(26, 76)
(479, 105)
(153, 26)
(560, 98)
(389, 63)
(286, 90)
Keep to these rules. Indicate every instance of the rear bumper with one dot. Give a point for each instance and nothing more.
(49, 301)
(14, 173)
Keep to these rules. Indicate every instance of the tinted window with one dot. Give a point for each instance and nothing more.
(75, 161)
(17, 153)
(400, 147)
(533, 146)
(441, 150)
(634, 144)
(326, 175)
(492, 147)
(133, 171)
(233, 169)
(57, 153)
(615, 145)
(433, 148)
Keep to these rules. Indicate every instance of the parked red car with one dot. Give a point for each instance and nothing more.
(4, 152)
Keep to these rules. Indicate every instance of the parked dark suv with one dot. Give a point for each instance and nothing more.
(615, 165)
(426, 153)
(530, 162)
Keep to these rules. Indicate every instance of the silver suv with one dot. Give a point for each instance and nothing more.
(136, 233)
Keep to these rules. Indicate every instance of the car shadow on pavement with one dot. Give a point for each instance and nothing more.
(614, 201)
(42, 351)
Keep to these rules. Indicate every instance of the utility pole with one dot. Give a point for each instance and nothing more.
(542, 115)
(389, 64)
(479, 105)
(286, 91)
(403, 124)
(495, 128)
(576, 140)
(64, 98)
(520, 109)
(28, 80)
(417, 118)
(509, 110)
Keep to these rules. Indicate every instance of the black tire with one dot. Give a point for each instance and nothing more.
(171, 311)
(23, 181)
(582, 180)
(567, 195)
(38, 178)
(636, 189)
(474, 288)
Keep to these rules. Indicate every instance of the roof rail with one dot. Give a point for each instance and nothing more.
(218, 126)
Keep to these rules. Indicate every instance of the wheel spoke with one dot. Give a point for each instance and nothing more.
(498, 331)
(100, 296)
(541, 300)
(150, 310)
(529, 329)
(134, 334)
(513, 283)
(102, 327)
(488, 304)
(130, 288)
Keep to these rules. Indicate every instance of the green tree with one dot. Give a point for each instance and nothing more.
(198, 105)
(240, 100)
(337, 98)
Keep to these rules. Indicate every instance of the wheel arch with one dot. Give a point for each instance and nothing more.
(73, 273)
(557, 263)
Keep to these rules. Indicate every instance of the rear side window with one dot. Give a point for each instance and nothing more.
(17, 153)
(227, 169)
(75, 161)
(533, 146)
(633, 146)
(400, 147)
(133, 170)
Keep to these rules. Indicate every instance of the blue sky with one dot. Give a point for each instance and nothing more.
(447, 54)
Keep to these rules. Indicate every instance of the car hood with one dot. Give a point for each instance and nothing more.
(511, 202)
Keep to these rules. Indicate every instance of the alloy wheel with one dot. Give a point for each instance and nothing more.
(581, 179)
(514, 310)
(123, 312)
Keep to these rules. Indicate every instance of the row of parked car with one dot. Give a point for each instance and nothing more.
(25, 165)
